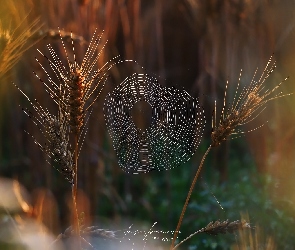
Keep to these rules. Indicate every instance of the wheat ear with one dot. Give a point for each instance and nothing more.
(244, 109)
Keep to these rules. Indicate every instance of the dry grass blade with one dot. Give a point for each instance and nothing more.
(12, 46)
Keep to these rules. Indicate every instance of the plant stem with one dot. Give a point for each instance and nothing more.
(187, 238)
(74, 195)
(188, 197)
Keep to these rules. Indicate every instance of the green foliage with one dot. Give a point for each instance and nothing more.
(245, 192)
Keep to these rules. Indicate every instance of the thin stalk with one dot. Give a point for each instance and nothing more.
(187, 238)
(74, 195)
(188, 197)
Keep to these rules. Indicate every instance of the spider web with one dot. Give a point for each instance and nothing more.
(174, 133)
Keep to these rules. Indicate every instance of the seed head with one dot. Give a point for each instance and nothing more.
(77, 83)
(55, 130)
(246, 107)
(223, 227)
(70, 87)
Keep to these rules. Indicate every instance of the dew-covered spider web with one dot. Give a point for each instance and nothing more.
(176, 128)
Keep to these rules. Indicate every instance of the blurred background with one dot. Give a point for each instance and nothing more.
(191, 44)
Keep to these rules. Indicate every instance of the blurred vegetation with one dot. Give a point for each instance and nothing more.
(193, 44)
